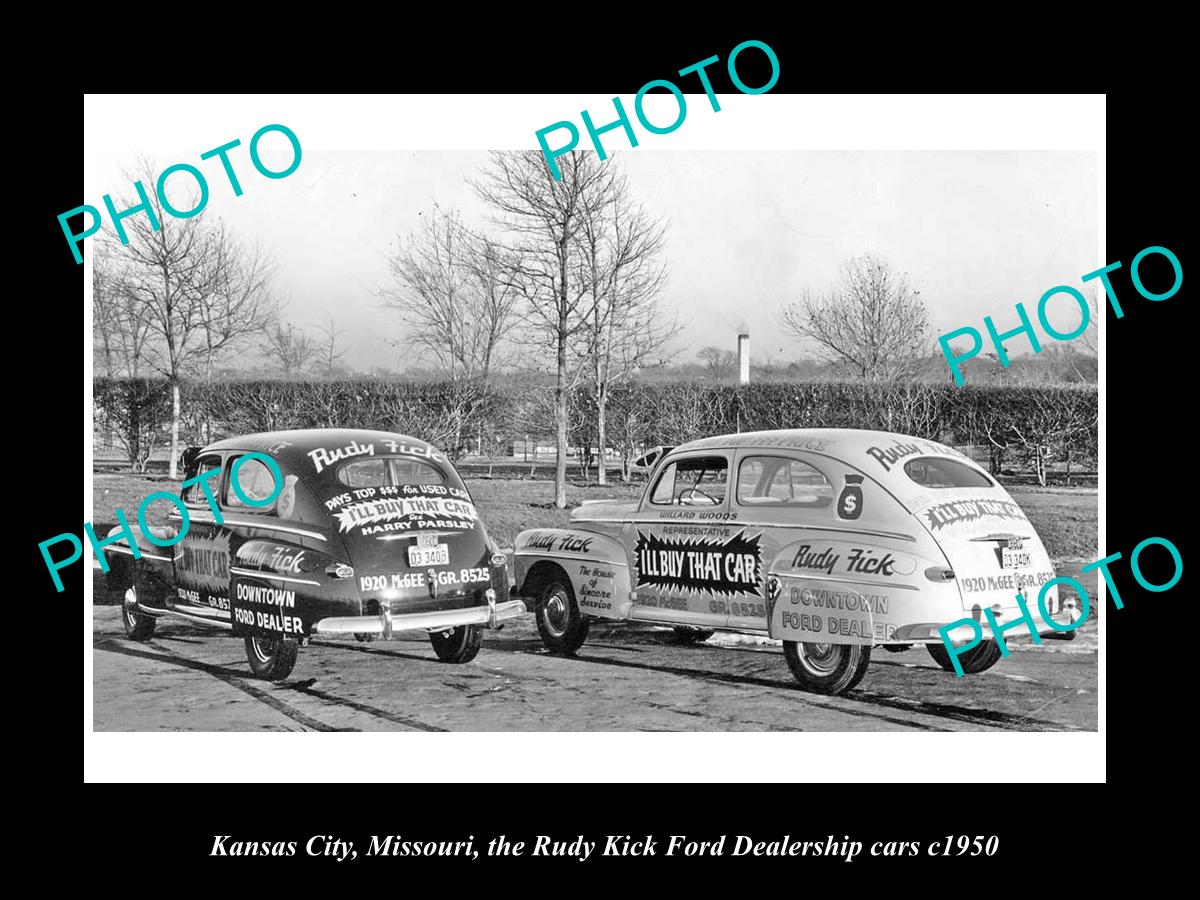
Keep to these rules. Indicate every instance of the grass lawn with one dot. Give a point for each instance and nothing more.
(1064, 517)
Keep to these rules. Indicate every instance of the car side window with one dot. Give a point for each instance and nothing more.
(780, 481)
(193, 494)
(256, 481)
(699, 481)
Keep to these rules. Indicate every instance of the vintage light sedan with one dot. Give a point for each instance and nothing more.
(833, 541)
(369, 533)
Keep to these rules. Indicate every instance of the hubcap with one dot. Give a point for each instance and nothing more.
(556, 613)
(263, 655)
(820, 659)
(129, 606)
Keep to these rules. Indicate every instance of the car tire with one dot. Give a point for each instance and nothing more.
(138, 625)
(457, 645)
(685, 634)
(897, 648)
(560, 623)
(272, 658)
(827, 668)
(978, 659)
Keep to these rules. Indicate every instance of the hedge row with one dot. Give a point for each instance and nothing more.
(1040, 424)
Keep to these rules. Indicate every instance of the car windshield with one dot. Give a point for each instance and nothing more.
(700, 481)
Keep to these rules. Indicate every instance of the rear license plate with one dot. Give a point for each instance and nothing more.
(437, 555)
(1010, 559)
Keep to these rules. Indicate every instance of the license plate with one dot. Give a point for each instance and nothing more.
(1014, 559)
(437, 555)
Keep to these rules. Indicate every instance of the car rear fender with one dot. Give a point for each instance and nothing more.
(974, 528)
(858, 590)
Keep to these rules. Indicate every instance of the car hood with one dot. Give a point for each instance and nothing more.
(604, 510)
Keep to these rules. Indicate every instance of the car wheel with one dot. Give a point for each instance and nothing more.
(272, 658)
(978, 659)
(138, 625)
(827, 668)
(897, 648)
(560, 623)
(457, 645)
(685, 634)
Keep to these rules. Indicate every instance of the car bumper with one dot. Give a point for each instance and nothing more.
(931, 632)
(387, 621)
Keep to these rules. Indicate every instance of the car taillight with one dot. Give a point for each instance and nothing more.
(939, 574)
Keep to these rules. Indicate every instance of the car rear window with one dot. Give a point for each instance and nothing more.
(781, 481)
(389, 470)
(936, 472)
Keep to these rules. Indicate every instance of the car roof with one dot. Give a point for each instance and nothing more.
(847, 441)
(879, 454)
(293, 447)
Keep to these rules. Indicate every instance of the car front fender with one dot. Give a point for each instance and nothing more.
(596, 565)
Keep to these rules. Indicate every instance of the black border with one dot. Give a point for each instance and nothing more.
(1146, 423)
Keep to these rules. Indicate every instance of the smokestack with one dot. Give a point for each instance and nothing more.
(743, 359)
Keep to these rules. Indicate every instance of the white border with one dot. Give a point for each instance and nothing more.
(117, 127)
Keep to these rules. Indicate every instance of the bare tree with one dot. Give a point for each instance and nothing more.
(120, 325)
(240, 304)
(201, 292)
(717, 362)
(289, 347)
(872, 319)
(105, 300)
(542, 217)
(620, 245)
(452, 291)
(331, 335)
(1091, 335)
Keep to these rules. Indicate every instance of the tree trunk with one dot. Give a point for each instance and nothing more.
(560, 388)
(601, 408)
(171, 463)
(560, 422)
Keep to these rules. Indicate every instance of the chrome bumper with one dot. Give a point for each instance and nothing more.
(387, 621)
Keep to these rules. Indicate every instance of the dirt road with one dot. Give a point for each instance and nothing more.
(625, 678)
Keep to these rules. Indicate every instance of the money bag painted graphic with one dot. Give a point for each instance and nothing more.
(850, 502)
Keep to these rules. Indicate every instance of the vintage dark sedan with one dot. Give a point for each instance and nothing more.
(369, 533)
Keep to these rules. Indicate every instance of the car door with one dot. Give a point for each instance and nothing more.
(202, 557)
(688, 561)
(849, 563)
(275, 568)
(777, 496)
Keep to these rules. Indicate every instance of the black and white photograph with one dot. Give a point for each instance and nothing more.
(684, 439)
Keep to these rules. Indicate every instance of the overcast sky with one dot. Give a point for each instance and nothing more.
(749, 231)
